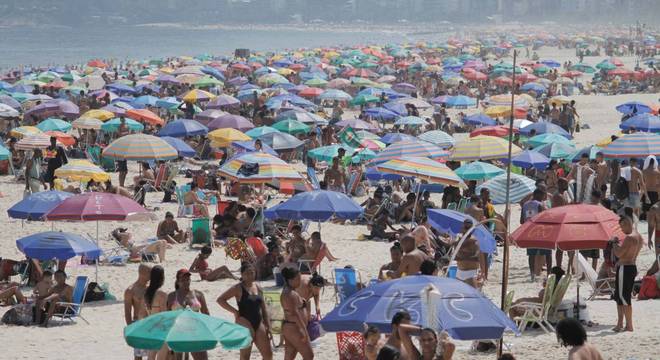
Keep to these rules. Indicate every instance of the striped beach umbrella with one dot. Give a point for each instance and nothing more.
(63, 138)
(87, 123)
(556, 150)
(422, 168)
(498, 130)
(224, 137)
(483, 147)
(478, 170)
(505, 100)
(269, 168)
(81, 170)
(642, 122)
(438, 138)
(633, 145)
(521, 186)
(140, 147)
(409, 149)
(36, 141)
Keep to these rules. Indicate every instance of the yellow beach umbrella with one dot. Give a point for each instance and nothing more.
(21, 131)
(224, 137)
(559, 100)
(482, 147)
(198, 95)
(498, 111)
(102, 115)
(83, 171)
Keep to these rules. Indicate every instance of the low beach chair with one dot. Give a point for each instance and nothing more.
(313, 179)
(73, 309)
(600, 287)
(557, 298)
(536, 313)
(275, 312)
(346, 282)
(201, 232)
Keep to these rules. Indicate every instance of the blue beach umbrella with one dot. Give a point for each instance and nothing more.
(545, 127)
(249, 146)
(438, 137)
(35, 206)
(642, 122)
(380, 113)
(535, 87)
(317, 205)
(441, 303)
(479, 119)
(633, 107)
(391, 138)
(181, 147)
(451, 222)
(373, 174)
(530, 158)
(460, 101)
(411, 121)
(57, 245)
(145, 100)
(591, 151)
(183, 128)
(280, 141)
(4, 153)
(547, 138)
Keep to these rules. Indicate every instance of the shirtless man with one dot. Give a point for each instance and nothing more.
(602, 172)
(134, 300)
(475, 210)
(395, 255)
(581, 172)
(653, 218)
(467, 257)
(335, 177)
(626, 270)
(199, 205)
(119, 190)
(636, 188)
(61, 292)
(652, 181)
(411, 260)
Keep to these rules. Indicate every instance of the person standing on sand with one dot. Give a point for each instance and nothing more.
(467, 257)
(653, 218)
(626, 270)
(134, 302)
(636, 187)
(570, 332)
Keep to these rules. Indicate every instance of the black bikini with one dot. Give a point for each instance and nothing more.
(249, 307)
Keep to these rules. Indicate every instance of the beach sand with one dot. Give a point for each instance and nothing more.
(103, 339)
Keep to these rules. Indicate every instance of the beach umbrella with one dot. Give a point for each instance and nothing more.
(305, 117)
(411, 121)
(505, 100)
(140, 147)
(37, 204)
(8, 111)
(478, 170)
(421, 168)
(633, 107)
(183, 128)
(417, 102)
(391, 138)
(222, 101)
(637, 145)
(259, 131)
(438, 138)
(113, 125)
(43, 110)
(249, 146)
(443, 304)
(479, 120)
(328, 153)
(62, 138)
(372, 144)
(231, 121)
(482, 147)
(183, 149)
(4, 153)
(22, 131)
(364, 134)
(569, 227)
(57, 245)
(380, 113)
(548, 138)
(642, 122)
(206, 116)
(197, 95)
(521, 123)
(503, 111)
(186, 331)
(364, 99)
(224, 137)
(259, 168)
(335, 94)
(102, 115)
(414, 148)
(590, 150)
(355, 124)
(460, 101)
(520, 186)
(31, 142)
(145, 100)
(145, 115)
(54, 124)
(372, 174)
(451, 222)
(10, 101)
(556, 150)
(81, 170)
(317, 205)
(530, 159)
(281, 141)
(497, 131)
(291, 127)
(120, 88)
(311, 92)
(97, 206)
(537, 88)
(544, 127)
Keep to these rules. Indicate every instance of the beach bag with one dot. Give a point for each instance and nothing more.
(621, 189)
(314, 328)
(237, 249)
(20, 314)
(94, 292)
(649, 288)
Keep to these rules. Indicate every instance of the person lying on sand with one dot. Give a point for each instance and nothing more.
(201, 266)
(136, 250)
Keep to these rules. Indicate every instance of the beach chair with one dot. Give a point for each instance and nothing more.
(462, 205)
(118, 252)
(201, 232)
(309, 266)
(107, 164)
(73, 310)
(535, 313)
(160, 176)
(346, 283)
(508, 301)
(452, 206)
(93, 154)
(183, 210)
(313, 179)
(600, 287)
(275, 311)
(557, 297)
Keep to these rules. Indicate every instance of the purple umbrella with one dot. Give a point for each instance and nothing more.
(68, 109)
(44, 110)
(237, 81)
(8, 100)
(404, 88)
(222, 101)
(356, 124)
(115, 109)
(206, 116)
(167, 79)
(231, 121)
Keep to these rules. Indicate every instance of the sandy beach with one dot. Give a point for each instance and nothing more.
(102, 338)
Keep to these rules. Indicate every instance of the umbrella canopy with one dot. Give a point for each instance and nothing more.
(441, 303)
(96, 206)
(186, 331)
(8, 111)
(250, 146)
(422, 168)
(478, 170)
(57, 245)
(221, 101)
(197, 95)
(102, 115)
(556, 150)
(259, 131)
(544, 127)
(438, 138)
(591, 151)
(482, 147)
(37, 204)
(570, 227)
(281, 141)
(497, 131)
(145, 115)
(224, 137)
(292, 127)
(87, 123)
(521, 186)
(637, 145)
(317, 205)
(113, 125)
(642, 122)
(479, 120)
(181, 147)
(451, 222)
(460, 101)
(268, 167)
(530, 158)
(140, 147)
(414, 148)
(4, 153)
(391, 138)
(52, 124)
(31, 142)
(81, 170)
(22, 131)
(302, 116)
(183, 128)
(540, 140)
(411, 121)
(633, 107)
(356, 124)
(328, 153)
(231, 121)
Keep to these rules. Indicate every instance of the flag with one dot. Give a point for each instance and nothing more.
(349, 137)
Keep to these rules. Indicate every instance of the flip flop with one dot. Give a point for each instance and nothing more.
(618, 329)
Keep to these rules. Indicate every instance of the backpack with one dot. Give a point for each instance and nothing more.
(649, 288)
(94, 292)
(621, 189)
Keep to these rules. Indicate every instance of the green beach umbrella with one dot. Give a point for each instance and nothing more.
(52, 124)
(542, 139)
(186, 331)
(585, 68)
(111, 126)
(359, 81)
(260, 131)
(316, 82)
(327, 153)
(605, 65)
(478, 170)
(364, 99)
(556, 150)
(291, 127)
(206, 82)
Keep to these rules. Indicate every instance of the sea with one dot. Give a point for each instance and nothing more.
(49, 46)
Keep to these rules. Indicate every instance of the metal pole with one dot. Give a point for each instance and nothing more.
(507, 217)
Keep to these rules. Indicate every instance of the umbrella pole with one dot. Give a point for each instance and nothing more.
(507, 217)
(96, 270)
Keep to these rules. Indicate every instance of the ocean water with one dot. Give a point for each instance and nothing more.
(58, 45)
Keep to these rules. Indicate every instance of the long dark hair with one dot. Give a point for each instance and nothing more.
(155, 282)
(289, 274)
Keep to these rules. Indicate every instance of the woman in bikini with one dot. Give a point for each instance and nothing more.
(201, 266)
(251, 311)
(155, 301)
(310, 289)
(185, 297)
(294, 326)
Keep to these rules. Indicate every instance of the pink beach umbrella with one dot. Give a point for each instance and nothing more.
(97, 206)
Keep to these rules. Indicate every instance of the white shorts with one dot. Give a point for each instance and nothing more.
(466, 274)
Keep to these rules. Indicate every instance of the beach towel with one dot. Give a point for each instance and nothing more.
(647, 162)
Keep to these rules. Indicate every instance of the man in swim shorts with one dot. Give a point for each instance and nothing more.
(626, 270)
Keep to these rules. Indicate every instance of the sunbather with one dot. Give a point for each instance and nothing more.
(169, 231)
(318, 250)
(136, 250)
(12, 295)
(199, 205)
(61, 292)
(201, 266)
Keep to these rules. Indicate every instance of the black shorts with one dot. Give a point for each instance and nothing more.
(623, 286)
(535, 252)
(122, 166)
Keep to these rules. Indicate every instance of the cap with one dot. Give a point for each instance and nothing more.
(182, 272)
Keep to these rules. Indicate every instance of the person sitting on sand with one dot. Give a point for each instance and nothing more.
(199, 205)
(169, 231)
(60, 292)
(109, 188)
(146, 174)
(266, 263)
(136, 250)
(395, 255)
(570, 332)
(318, 250)
(404, 212)
(411, 260)
(378, 229)
(12, 295)
(201, 266)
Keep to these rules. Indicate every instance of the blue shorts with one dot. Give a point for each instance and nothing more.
(535, 252)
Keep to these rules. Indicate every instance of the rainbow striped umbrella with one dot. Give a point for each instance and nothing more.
(483, 147)
(422, 168)
(140, 147)
(633, 145)
(87, 123)
(505, 100)
(36, 141)
(270, 168)
(409, 148)
(82, 170)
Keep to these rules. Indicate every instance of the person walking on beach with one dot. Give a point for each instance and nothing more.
(134, 302)
(626, 270)
(570, 332)
(294, 326)
(56, 157)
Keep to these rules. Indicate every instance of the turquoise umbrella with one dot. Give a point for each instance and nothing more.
(327, 153)
(540, 140)
(556, 150)
(186, 331)
(113, 125)
(291, 127)
(478, 170)
(4, 153)
(260, 131)
(52, 124)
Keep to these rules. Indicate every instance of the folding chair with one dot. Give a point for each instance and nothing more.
(600, 287)
(73, 309)
(346, 283)
(536, 313)
(201, 232)
(160, 176)
(313, 179)
(275, 311)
